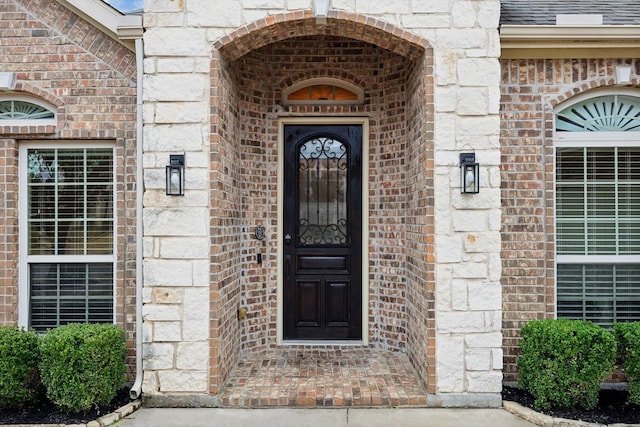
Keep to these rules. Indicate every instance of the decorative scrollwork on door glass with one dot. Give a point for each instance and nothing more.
(322, 192)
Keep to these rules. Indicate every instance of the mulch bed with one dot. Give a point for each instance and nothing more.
(612, 407)
(46, 412)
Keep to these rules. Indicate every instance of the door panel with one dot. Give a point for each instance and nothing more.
(322, 232)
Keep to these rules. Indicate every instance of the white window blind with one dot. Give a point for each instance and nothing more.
(70, 235)
(598, 233)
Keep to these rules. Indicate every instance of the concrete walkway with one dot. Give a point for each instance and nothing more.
(343, 417)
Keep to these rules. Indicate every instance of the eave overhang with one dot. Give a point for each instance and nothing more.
(575, 41)
(123, 28)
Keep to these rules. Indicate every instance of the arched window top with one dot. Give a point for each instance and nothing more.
(322, 91)
(607, 113)
(23, 110)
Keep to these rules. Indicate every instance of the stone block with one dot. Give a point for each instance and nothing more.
(196, 314)
(184, 247)
(163, 6)
(472, 101)
(450, 364)
(157, 356)
(449, 249)
(485, 295)
(377, 7)
(187, 221)
(461, 322)
(200, 14)
(431, 6)
(497, 359)
(478, 359)
(174, 87)
(166, 272)
(463, 14)
(482, 242)
(150, 383)
(167, 295)
(488, 340)
(469, 221)
(470, 270)
(160, 312)
(175, 41)
(484, 382)
(477, 125)
(470, 38)
(445, 70)
(488, 13)
(445, 99)
(193, 355)
(479, 72)
(181, 112)
(416, 20)
(175, 138)
(182, 381)
(459, 295)
(167, 331)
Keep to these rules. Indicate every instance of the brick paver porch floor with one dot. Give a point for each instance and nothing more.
(328, 376)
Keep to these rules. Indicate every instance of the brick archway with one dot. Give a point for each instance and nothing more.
(249, 69)
(298, 24)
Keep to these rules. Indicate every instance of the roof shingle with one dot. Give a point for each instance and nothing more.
(543, 12)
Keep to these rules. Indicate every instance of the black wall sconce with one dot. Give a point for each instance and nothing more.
(175, 175)
(469, 174)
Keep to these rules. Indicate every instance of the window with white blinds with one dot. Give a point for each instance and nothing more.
(69, 237)
(598, 222)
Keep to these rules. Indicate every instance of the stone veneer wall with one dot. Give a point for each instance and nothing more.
(530, 91)
(90, 78)
(463, 331)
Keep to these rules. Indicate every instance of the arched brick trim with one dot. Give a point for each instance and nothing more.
(316, 73)
(586, 87)
(39, 93)
(302, 23)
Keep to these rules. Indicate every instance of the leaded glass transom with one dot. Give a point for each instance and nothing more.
(23, 110)
(609, 113)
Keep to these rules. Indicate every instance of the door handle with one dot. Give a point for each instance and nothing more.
(287, 239)
(287, 266)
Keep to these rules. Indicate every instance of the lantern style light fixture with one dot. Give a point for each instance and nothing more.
(469, 174)
(175, 175)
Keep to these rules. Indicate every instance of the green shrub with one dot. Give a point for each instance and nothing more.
(564, 361)
(19, 357)
(83, 365)
(628, 336)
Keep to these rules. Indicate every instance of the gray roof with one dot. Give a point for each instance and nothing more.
(543, 12)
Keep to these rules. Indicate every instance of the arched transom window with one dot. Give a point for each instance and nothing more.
(610, 113)
(597, 187)
(322, 91)
(22, 110)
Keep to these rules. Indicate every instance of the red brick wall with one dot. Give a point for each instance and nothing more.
(226, 220)
(90, 78)
(530, 91)
(420, 275)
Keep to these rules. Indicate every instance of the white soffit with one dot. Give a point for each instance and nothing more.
(577, 41)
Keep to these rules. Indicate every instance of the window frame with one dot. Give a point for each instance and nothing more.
(29, 122)
(323, 81)
(24, 288)
(587, 139)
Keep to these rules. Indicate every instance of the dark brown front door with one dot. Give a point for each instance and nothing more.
(322, 232)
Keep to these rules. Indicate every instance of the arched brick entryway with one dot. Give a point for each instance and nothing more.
(250, 69)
